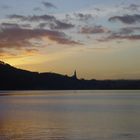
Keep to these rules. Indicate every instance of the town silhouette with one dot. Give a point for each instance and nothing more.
(12, 78)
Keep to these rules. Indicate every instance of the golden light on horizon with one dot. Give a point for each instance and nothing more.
(62, 41)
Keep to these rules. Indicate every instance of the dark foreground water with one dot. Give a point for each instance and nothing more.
(70, 115)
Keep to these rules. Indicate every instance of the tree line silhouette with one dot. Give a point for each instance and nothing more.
(12, 78)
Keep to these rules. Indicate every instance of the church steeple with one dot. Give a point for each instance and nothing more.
(75, 75)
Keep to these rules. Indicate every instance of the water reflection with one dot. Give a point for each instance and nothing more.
(70, 116)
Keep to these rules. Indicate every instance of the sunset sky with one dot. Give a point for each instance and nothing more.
(98, 38)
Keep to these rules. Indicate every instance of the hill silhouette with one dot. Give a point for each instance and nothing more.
(12, 78)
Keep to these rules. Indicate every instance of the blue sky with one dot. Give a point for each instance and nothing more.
(99, 38)
(26, 6)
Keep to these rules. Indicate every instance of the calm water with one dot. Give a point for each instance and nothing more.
(70, 115)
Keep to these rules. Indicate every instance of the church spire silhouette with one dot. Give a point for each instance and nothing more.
(74, 75)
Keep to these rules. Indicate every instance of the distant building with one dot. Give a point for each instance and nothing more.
(74, 75)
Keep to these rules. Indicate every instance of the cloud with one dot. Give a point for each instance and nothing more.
(48, 5)
(124, 33)
(128, 30)
(6, 54)
(61, 25)
(68, 18)
(9, 25)
(126, 37)
(63, 40)
(33, 18)
(126, 19)
(57, 25)
(120, 37)
(14, 25)
(16, 17)
(42, 25)
(133, 7)
(5, 7)
(51, 21)
(25, 25)
(93, 30)
(20, 38)
(97, 9)
(83, 17)
(37, 9)
(31, 51)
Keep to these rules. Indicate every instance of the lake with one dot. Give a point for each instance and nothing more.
(70, 115)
